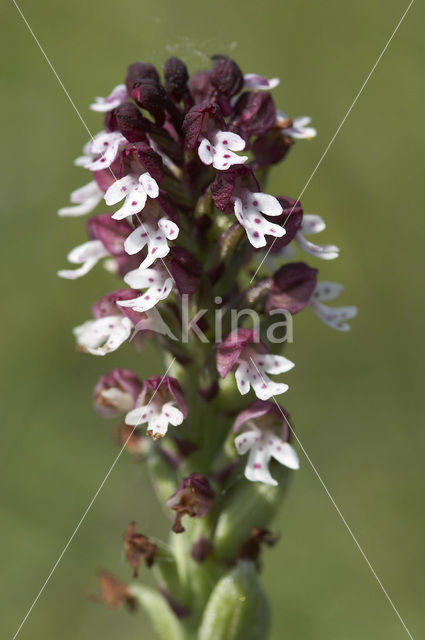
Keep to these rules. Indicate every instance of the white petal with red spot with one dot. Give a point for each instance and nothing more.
(220, 152)
(314, 224)
(335, 317)
(85, 199)
(106, 146)
(156, 416)
(248, 211)
(135, 190)
(157, 283)
(104, 335)
(262, 446)
(251, 372)
(88, 255)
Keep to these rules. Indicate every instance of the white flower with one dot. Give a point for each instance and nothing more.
(157, 415)
(106, 146)
(252, 371)
(155, 237)
(248, 209)
(298, 128)
(103, 335)
(219, 152)
(314, 224)
(135, 190)
(117, 95)
(157, 283)
(88, 255)
(85, 199)
(334, 317)
(263, 445)
(254, 82)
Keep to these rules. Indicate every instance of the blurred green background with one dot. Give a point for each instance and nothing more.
(357, 398)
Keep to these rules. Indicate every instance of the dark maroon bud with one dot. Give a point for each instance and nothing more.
(175, 78)
(251, 548)
(179, 610)
(293, 286)
(131, 123)
(185, 270)
(139, 71)
(201, 549)
(138, 547)
(199, 86)
(255, 114)
(270, 148)
(150, 96)
(226, 76)
(193, 497)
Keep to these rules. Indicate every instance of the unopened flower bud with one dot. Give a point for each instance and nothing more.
(255, 114)
(226, 76)
(175, 78)
(139, 71)
(131, 123)
(151, 96)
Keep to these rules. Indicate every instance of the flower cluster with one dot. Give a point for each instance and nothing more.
(180, 168)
